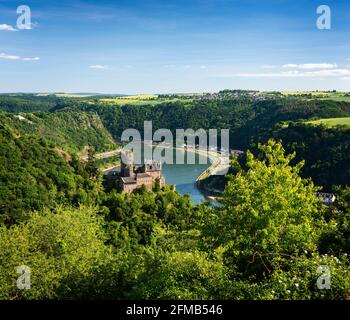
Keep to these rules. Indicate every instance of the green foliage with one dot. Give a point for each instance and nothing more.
(336, 238)
(268, 211)
(137, 214)
(326, 151)
(296, 279)
(182, 275)
(34, 175)
(29, 102)
(70, 130)
(65, 252)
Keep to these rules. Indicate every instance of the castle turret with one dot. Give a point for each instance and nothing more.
(127, 163)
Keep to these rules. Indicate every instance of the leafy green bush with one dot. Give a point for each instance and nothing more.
(65, 252)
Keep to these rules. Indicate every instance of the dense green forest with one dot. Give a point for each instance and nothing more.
(72, 131)
(265, 240)
(244, 117)
(30, 102)
(326, 151)
(35, 175)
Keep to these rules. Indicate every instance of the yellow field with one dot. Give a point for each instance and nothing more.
(135, 99)
(334, 96)
(313, 93)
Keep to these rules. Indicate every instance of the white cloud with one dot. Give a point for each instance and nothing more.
(4, 56)
(6, 27)
(31, 59)
(203, 67)
(98, 66)
(311, 66)
(330, 73)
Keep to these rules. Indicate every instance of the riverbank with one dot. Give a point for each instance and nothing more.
(216, 172)
(212, 187)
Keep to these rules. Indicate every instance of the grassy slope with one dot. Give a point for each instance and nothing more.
(332, 122)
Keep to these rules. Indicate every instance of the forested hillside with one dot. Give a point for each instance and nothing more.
(245, 118)
(35, 174)
(326, 151)
(30, 102)
(70, 130)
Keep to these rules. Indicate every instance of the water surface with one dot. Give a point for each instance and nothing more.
(184, 177)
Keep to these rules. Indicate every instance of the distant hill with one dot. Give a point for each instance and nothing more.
(29, 102)
(325, 150)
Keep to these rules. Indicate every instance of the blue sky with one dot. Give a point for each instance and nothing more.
(159, 46)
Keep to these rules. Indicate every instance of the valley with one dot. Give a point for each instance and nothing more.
(57, 212)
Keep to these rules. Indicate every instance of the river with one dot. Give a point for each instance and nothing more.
(184, 177)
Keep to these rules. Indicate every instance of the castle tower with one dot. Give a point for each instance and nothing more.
(127, 163)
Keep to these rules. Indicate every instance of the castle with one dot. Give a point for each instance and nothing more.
(132, 177)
